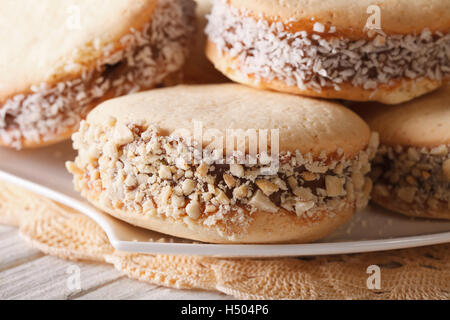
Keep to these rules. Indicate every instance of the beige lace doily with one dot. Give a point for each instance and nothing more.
(420, 273)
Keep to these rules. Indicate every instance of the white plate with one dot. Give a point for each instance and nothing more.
(43, 171)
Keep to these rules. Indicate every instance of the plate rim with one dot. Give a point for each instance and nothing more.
(229, 250)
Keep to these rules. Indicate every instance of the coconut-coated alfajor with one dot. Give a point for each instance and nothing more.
(62, 58)
(306, 176)
(333, 48)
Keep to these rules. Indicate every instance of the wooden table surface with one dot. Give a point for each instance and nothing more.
(26, 273)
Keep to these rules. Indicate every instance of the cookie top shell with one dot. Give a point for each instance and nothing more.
(51, 41)
(350, 17)
(305, 125)
(424, 122)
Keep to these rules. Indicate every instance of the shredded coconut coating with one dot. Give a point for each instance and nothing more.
(150, 55)
(134, 168)
(318, 60)
(414, 176)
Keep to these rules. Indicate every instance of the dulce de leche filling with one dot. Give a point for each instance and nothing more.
(135, 169)
(318, 59)
(418, 178)
(150, 55)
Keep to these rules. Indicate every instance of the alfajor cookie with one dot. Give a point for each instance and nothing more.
(387, 51)
(225, 163)
(411, 171)
(62, 58)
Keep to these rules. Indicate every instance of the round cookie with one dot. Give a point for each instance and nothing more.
(225, 163)
(65, 57)
(333, 48)
(411, 171)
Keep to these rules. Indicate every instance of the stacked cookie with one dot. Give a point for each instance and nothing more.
(228, 163)
(225, 163)
(332, 48)
(65, 57)
(411, 172)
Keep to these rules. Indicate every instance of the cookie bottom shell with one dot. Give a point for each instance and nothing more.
(266, 227)
(412, 210)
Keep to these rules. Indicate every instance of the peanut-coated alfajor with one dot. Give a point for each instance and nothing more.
(62, 58)
(411, 171)
(139, 160)
(388, 51)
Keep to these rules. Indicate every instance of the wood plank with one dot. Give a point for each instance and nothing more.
(122, 289)
(128, 289)
(47, 277)
(6, 229)
(14, 250)
(172, 294)
(26, 273)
